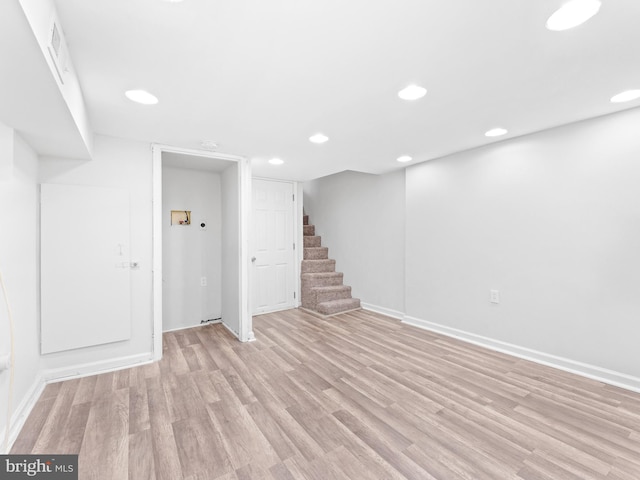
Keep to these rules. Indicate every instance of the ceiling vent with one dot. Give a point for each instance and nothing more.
(57, 50)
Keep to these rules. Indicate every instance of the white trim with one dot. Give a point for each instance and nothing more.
(299, 240)
(252, 338)
(278, 309)
(54, 375)
(21, 413)
(157, 252)
(593, 372)
(244, 194)
(211, 322)
(383, 310)
(244, 191)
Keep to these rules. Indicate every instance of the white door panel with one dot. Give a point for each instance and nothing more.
(273, 236)
(85, 266)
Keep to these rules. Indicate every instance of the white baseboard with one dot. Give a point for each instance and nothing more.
(21, 413)
(54, 375)
(383, 311)
(274, 310)
(593, 372)
(66, 373)
(231, 331)
(212, 322)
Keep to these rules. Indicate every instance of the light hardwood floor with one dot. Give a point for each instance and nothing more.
(358, 396)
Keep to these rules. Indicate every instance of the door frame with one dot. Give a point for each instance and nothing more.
(297, 238)
(244, 201)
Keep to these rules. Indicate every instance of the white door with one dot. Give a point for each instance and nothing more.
(272, 239)
(85, 266)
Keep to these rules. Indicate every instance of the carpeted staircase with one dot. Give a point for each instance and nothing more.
(322, 288)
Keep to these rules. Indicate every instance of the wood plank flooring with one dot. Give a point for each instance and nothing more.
(357, 396)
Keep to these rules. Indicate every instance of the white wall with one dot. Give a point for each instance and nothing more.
(552, 221)
(188, 252)
(18, 262)
(361, 220)
(124, 164)
(231, 307)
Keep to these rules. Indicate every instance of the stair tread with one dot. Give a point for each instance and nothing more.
(324, 274)
(341, 301)
(332, 288)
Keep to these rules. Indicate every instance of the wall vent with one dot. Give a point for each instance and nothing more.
(57, 50)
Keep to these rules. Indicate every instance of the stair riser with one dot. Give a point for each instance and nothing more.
(321, 253)
(312, 241)
(328, 296)
(309, 301)
(310, 281)
(309, 230)
(318, 266)
(326, 309)
(311, 296)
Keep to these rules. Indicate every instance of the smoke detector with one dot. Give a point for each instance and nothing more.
(209, 145)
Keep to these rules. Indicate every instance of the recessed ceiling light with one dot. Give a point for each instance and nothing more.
(318, 138)
(572, 14)
(141, 96)
(404, 159)
(495, 132)
(412, 92)
(276, 161)
(626, 96)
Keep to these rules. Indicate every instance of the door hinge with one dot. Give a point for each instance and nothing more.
(293, 197)
(294, 295)
(294, 245)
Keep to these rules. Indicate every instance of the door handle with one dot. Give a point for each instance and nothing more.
(253, 259)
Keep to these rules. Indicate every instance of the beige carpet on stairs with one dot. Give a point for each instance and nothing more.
(323, 290)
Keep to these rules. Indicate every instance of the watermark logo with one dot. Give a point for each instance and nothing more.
(49, 467)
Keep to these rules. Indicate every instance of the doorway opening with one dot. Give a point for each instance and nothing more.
(201, 201)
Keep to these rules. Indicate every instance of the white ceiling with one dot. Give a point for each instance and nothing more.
(195, 162)
(259, 77)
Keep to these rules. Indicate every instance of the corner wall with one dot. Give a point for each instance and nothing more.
(552, 221)
(19, 233)
(189, 252)
(231, 308)
(360, 218)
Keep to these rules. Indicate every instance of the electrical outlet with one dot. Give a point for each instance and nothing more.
(203, 281)
(495, 296)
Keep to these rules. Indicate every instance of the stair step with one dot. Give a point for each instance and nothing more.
(327, 294)
(316, 266)
(308, 230)
(316, 253)
(321, 279)
(311, 281)
(312, 241)
(334, 307)
(305, 220)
